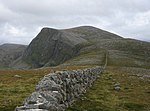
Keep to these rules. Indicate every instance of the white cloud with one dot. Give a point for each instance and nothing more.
(10, 30)
(140, 19)
(20, 20)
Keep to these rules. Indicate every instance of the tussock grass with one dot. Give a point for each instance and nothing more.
(14, 89)
(133, 95)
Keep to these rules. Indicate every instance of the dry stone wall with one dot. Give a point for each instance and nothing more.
(56, 91)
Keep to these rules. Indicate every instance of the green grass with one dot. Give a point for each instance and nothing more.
(94, 56)
(133, 96)
(101, 96)
(13, 90)
(133, 106)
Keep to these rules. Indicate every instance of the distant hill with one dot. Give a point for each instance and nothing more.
(85, 45)
(9, 53)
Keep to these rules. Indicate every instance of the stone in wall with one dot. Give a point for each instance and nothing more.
(57, 91)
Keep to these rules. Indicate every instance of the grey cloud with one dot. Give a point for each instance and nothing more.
(129, 18)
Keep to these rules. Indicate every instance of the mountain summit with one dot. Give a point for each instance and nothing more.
(85, 45)
(52, 47)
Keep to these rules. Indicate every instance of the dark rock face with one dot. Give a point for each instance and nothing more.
(52, 47)
(57, 91)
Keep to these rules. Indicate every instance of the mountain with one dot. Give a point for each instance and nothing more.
(121, 51)
(85, 45)
(79, 48)
(9, 53)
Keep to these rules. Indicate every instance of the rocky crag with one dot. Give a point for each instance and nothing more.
(52, 47)
(56, 91)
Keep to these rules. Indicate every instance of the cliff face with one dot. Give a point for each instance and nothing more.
(52, 47)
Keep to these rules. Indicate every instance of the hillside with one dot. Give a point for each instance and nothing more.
(121, 51)
(9, 53)
(132, 96)
(79, 48)
(85, 45)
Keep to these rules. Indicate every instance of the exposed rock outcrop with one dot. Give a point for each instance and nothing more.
(52, 47)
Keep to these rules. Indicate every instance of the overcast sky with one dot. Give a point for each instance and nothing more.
(21, 20)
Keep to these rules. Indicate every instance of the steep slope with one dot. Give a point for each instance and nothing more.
(9, 53)
(85, 45)
(52, 47)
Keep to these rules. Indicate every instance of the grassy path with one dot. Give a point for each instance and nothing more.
(133, 96)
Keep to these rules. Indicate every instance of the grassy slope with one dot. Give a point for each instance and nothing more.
(94, 56)
(122, 52)
(133, 96)
(13, 90)
(129, 53)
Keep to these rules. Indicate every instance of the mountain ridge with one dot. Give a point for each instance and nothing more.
(82, 45)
